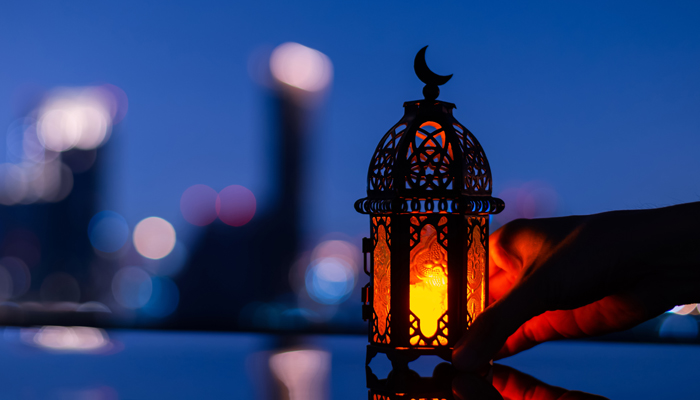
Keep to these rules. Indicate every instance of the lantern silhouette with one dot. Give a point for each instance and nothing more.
(429, 199)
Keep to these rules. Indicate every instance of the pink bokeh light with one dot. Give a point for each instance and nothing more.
(235, 205)
(198, 205)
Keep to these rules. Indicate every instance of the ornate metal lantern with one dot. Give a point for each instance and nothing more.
(429, 199)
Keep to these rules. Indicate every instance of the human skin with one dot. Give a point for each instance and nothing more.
(580, 276)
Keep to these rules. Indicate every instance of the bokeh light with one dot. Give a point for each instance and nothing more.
(69, 339)
(302, 67)
(132, 287)
(198, 205)
(13, 184)
(164, 298)
(76, 118)
(326, 277)
(329, 280)
(32, 148)
(235, 205)
(30, 182)
(108, 231)
(154, 237)
(337, 249)
(68, 118)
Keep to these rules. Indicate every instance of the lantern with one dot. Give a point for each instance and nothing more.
(428, 199)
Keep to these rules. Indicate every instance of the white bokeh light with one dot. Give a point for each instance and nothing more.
(302, 67)
(79, 118)
(154, 238)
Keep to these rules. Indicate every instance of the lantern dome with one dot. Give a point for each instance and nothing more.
(429, 162)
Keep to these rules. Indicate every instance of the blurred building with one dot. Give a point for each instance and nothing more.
(49, 188)
(231, 267)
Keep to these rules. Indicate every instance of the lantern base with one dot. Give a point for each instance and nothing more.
(402, 380)
(401, 356)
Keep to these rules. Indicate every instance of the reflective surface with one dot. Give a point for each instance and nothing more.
(79, 363)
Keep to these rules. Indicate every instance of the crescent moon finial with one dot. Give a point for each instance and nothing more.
(430, 78)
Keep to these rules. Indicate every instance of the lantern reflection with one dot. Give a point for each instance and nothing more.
(302, 372)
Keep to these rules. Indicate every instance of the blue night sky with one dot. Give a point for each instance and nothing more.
(599, 101)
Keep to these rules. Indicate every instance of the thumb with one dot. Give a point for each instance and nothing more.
(490, 330)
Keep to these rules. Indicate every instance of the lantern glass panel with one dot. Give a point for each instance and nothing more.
(476, 256)
(428, 284)
(382, 284)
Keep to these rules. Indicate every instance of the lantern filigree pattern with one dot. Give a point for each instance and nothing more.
(381, 176)
(477, 176)
(430, 157)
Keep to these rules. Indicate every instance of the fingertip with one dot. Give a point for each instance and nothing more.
(491, 329)
(476, 348)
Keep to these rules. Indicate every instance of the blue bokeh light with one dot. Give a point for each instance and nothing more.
(108, 231)
(329, 280)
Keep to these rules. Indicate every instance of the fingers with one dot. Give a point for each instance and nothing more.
(539, 329)
(515, 385)
(492, 328)
(610, 314)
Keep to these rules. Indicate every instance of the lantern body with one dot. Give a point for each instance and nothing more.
(429, 200)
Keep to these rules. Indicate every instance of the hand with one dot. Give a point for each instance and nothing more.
(581, 276)
(511, 384)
